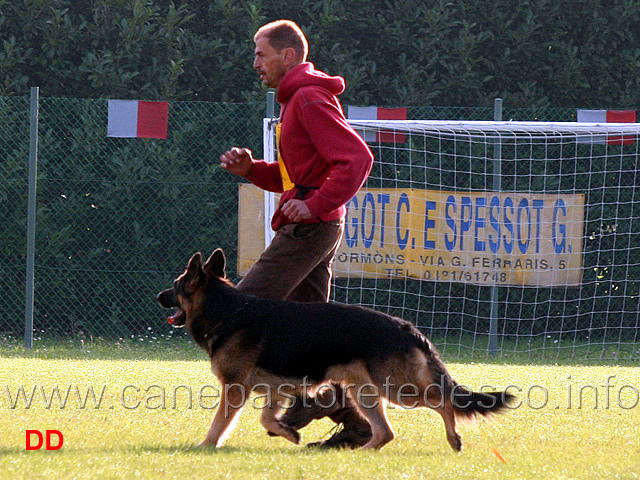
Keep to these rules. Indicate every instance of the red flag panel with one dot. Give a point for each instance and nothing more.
(621, 116)
(153, 119)
(388, 136)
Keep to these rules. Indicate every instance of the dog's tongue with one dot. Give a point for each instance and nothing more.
(174, 318)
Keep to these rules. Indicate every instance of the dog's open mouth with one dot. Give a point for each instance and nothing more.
(167, 299)
(177, 319)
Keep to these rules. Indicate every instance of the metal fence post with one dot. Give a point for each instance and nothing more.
(271, 103)
(269, 155)
(31, 217)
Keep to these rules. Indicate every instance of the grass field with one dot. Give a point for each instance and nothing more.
(153, 404)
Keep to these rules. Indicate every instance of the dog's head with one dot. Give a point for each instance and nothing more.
(187, 294)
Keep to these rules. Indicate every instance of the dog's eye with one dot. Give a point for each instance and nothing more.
(179, 289)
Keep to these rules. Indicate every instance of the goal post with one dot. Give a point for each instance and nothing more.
(533, 224)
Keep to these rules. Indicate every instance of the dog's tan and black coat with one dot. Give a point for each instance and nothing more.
(258, 344)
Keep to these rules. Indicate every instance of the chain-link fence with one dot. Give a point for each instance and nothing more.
(117, 219)
(489, 190)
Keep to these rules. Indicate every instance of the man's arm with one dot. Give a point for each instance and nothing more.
(237, 161)
(240, 161)
(296, 210)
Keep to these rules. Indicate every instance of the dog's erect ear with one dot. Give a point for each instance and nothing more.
(193, 276)
(195, 264)
(215, 266)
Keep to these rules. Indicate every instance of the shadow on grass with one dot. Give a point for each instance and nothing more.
(146, 448)
(283, 450)
(13, 451)
(194, 449)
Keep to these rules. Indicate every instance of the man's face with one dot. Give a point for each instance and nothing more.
(269, 63)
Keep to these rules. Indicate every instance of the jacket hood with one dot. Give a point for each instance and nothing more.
(305, 75)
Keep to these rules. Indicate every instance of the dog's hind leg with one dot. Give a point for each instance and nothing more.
(433, 397)
(233, 399)
(448, 415)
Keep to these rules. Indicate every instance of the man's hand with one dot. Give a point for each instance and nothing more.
(237, 161)
(296, 210)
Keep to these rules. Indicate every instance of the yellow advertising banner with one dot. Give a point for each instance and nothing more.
(482, 238)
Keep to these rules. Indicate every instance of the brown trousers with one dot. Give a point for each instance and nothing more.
(297, 265)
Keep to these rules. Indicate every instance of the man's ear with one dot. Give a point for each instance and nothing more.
(290, 57)
(216, 264)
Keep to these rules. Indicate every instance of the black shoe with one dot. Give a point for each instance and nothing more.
(303, 410)
(339, 407)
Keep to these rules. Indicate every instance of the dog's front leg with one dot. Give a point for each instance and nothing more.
(233, 399)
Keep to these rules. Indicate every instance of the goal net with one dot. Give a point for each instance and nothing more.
(500, 237)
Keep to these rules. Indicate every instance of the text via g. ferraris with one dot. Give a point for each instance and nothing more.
(472, 237)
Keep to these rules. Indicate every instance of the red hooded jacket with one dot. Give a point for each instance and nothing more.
(326, 159)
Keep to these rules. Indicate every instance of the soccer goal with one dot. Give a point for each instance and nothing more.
(500, 237)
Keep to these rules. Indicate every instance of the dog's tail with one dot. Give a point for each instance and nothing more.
(468, 404)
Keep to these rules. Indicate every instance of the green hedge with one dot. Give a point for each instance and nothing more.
(117, 218)
(562, 53)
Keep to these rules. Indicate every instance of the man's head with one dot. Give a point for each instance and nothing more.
(280, 46)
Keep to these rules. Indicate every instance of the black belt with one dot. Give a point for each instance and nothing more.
(303, 191)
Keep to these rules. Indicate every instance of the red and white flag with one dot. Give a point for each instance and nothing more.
(378, 113)
(607, 116)
(137, 118)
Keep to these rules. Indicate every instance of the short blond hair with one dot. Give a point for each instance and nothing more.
(285, 34)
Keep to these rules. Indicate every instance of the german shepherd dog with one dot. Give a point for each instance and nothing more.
(259, 345)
